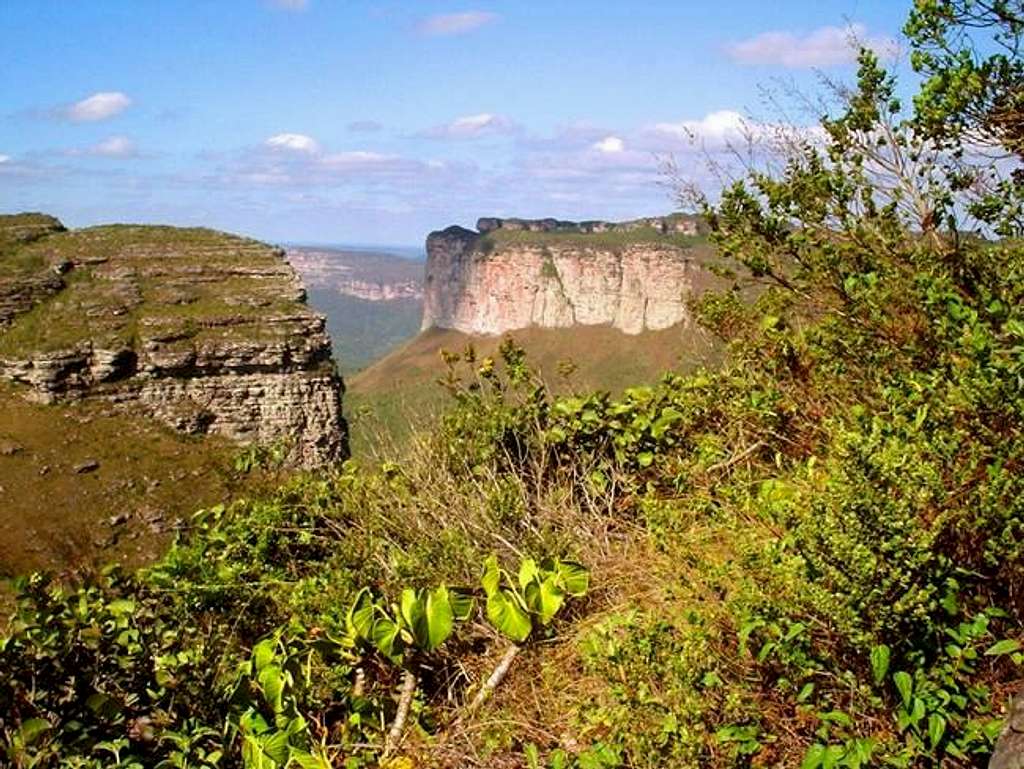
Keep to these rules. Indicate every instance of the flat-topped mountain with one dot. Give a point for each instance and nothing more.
(513, 273)
(207, 332)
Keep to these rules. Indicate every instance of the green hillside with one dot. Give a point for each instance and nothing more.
(403, 392)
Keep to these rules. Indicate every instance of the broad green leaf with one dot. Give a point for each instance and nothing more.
(437, 621)
(1007, 646)
(275, 747)
(507, 616)
(814, 757)
(263, 653)
(272, 682)
(936, 728)
(360, 615)
(31, 730)
(385, 636)
(411, 608)
(880, 662)
(833, 755)
(904, 685)
(528, 572)
(491, 577)
(574, 577)
(550, 598)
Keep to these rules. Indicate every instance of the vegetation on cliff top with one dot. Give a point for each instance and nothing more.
(123, 282)
(616, 240)
(809, 557)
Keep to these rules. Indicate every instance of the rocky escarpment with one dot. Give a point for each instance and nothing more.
(24, 283)
(373, 276)
(204, 331)
(513, 273)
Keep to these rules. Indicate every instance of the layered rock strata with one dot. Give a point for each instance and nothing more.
(207, 332)
(512, 274)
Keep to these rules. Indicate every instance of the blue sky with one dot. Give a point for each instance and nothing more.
(354, 121)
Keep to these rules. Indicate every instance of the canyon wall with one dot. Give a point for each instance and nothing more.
(512, 273)
(206, 332)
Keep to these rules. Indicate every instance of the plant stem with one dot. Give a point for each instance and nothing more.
(404, 703)
(496, 678)
(359, 685)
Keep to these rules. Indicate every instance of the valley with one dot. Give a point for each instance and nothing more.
(372, 299)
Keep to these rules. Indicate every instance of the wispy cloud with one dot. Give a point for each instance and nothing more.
(455, 23)
(99, 106)
(610, 145)
(823, 47)
(294, 143)
(473, 127)
(4, 158)
(113, 147)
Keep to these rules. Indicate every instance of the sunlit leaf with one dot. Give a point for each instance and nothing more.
(507, 616)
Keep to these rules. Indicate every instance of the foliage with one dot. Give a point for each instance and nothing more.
(538, 593)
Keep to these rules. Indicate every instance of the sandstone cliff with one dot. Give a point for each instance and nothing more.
(204, 331)
(634, 276)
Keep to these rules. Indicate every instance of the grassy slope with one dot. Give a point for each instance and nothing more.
(52, 517)
(401, 392)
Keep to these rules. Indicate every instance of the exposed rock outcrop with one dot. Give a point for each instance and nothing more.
(513, 273)
(1009, 752)
(375, 277)
(204, 331)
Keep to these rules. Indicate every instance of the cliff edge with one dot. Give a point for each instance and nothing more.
(206, 332)
(511, 274)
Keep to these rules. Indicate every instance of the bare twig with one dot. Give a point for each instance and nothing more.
(496, 678)
(404, 703)
(737, 458)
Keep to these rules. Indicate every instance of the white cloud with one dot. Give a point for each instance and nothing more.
(294, 143)
(290, 5)
(357, 158)
(4, 158)
(99, 106)
(823, 47)
(472, 127)
(724, 130)
(115, 147)
(610, 145)
(455, 23)
(715, 129)
(112, 147)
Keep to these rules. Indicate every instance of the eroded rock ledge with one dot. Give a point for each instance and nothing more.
(514, 273)
(204, 331)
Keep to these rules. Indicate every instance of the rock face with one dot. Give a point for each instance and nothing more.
(206, 332)
(513, 273)
(1009, 752)
(375, 277)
